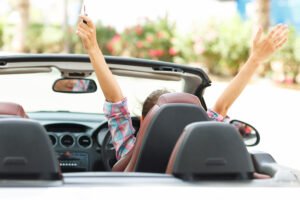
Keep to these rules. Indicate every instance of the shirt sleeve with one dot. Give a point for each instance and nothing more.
(120, 126)
(219, 118)
(216, 116)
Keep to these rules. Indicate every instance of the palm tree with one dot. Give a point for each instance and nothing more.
(263, 13)
(67, 36)
(22, 8)
(263, 18)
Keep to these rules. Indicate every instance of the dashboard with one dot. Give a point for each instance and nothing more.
(77, 139)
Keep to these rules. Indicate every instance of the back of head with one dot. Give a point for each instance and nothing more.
(151, 100)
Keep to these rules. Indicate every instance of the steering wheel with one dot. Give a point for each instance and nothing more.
(108, 152)
(104, 139)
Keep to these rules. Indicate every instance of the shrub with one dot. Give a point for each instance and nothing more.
(1, 35)
(289, 56)
(40, 38)
(150, 39)
(223, 46)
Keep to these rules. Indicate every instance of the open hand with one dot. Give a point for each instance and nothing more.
(264, 47)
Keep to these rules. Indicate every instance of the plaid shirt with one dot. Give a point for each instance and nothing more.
(121, 129)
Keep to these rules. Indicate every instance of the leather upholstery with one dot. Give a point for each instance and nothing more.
(175, 107)
(8, 108)
(210, 150)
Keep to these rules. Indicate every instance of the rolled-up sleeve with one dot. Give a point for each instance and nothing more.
(216, 116)
(120, 126)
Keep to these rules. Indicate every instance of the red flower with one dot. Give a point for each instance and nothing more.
(139, 44)
(160, 35)
(149, 38)
(116, 38)
(172, 51)
(139, 30)
(110, 47)
(156, 52)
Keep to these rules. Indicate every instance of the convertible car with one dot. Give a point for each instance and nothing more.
(55, 140)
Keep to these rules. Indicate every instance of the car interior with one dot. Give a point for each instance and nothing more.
(176, 144)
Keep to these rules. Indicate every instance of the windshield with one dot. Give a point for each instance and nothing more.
(34, 92)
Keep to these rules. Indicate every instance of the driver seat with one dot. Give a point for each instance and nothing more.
(159, 132)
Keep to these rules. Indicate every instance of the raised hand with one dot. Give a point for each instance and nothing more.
(264, 46)
(86, 30)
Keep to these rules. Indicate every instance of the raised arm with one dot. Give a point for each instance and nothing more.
(262, 49)
(109, 85)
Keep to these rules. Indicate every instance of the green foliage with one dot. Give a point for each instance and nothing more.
(223, 46)
(1, 35)
(39, 38)
(42, 38)
(289, 55)
(104, 35)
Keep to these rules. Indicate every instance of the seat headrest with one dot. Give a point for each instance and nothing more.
(8, 108)
(210, 150)
(178, 97)
(160, 130)
(26, 152)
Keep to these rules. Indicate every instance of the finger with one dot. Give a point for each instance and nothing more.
(257, 37)
(83, 31)
(277, 30)
(280, 43)
(87, 20)
(83, 25)
(281, 36)
(81, 35)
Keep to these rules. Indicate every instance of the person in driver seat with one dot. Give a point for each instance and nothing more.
(115, 107)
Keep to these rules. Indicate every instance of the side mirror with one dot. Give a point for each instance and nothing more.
(74, 85)
(249, 134)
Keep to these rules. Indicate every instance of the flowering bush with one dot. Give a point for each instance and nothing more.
(223, 47)
(1, 35)
(289, 58)
(104, 35)
(42, 38)
(39, 38)
(150, 39)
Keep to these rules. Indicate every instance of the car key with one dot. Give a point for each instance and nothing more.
(83, 11)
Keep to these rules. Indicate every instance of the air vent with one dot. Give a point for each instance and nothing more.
(2, 63)
(53, 139)
(67, 141)
(85, 141)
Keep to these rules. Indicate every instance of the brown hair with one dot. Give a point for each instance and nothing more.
(151, 100)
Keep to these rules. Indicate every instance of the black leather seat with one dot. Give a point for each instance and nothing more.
(210, 150)
(26, 152)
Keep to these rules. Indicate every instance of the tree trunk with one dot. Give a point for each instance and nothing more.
(263, 13)
(66, 28)
(22, 8)
(263, 19)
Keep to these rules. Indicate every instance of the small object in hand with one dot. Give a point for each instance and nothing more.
(84, 12)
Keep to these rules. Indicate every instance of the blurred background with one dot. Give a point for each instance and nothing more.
(212, 34)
